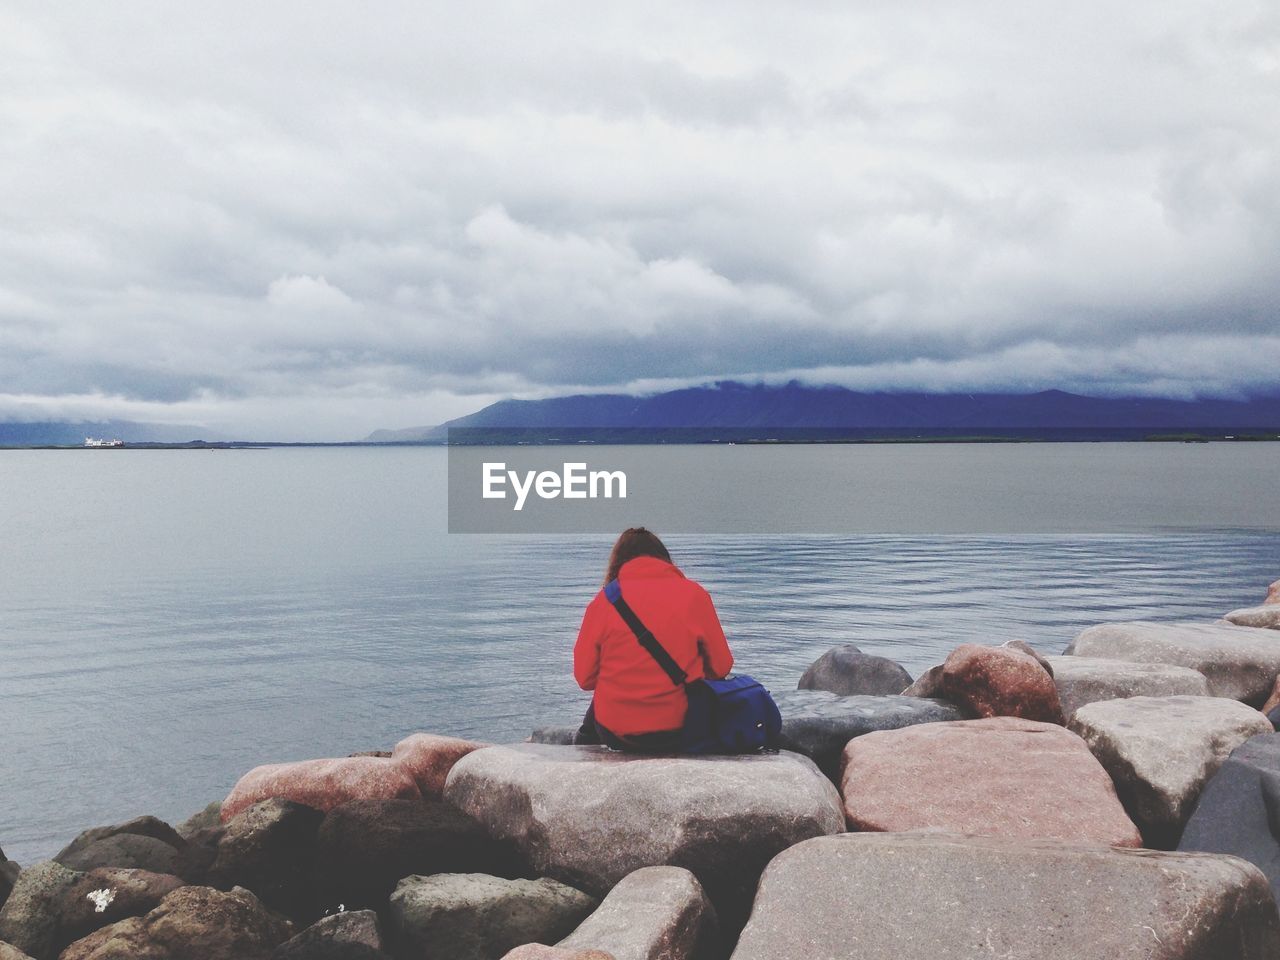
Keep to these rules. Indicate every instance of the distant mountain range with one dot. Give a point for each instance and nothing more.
(62, 433)
(797, 412)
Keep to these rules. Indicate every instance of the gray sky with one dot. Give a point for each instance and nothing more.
(310, 220)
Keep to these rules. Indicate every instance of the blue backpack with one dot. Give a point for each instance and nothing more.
(733, 715)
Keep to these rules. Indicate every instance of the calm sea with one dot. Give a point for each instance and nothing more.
(169, 619)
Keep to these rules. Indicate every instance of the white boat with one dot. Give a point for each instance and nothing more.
(91, 442)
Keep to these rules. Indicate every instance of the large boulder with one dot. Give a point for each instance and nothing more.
(365, 847)
(108, 895)
(207, 819)
(416, 768)
(472, 916)
(1239, 662)
(847, 671)
(1002, 776)
(656, 913)
(887, 896)
(1273, 594)
(31, 917)
(151, 827)
(589, 816)
(1082, 680)
(1239, 809)
(1000, 682)
(1266, 616)
(1160, 752)
(351, 935)
(270, 849)
(818, 724)
(144, 843)
(190, 923)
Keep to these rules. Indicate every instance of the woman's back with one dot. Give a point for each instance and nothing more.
(633, 694)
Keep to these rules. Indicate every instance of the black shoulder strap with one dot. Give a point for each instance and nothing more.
(613, 592)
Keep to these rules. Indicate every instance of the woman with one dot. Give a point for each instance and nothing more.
(637, 706)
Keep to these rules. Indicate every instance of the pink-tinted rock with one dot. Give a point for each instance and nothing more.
(1000, 682)
(536, 951)
(1273, 595)
(415, 770)
(428, 758)
(999, 777)
(323, 784)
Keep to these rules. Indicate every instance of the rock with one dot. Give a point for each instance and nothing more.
(589, 816)
(127, 851)
(139, 827)
(818, 724)
(416, 769)
(1082, 680)
(8, 876)
(190, 923)
(471, 916)
(108, 895)
(1003, 776)
(428, 758)
(538, 951)
(1273, 701)
(364, 849)
(352, 935)
(910, 896)
(9, 952)
(1239, 809)
(1266, 616)
(1021, 646)
(30, 917)
(207, 819)
(1273, 595)
(847, 671)
(1160, 752)
(1000, 682)
(560, 736)
(1239, 662)
(927, 686)
(270, 848)
(656, 913)
(197, 859)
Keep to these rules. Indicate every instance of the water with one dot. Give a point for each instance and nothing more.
(169, 619)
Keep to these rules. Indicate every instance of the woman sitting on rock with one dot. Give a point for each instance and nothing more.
(636, 706)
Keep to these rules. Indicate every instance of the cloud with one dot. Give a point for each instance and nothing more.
(309, 221)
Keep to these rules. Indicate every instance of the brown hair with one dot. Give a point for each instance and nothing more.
(634, 542)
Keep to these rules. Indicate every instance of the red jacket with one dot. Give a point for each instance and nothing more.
(632, 694)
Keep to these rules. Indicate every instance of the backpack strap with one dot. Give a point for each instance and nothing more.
(613, 593)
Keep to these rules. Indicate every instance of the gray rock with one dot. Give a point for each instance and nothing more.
(897, 896)
(30, 918)
(560, 736)
(1266, 616)
(270, 848)
(1239, 809)
(589, 816)
(819, 724)
(1239, 662)
(1082, 680)
(656, 913)
(1160, 752)
(10, 952)
(124, 850)
(847, 671)
(139, 826)
(8, 876)
(472, 916)
(207, 819)
(108, 895)
(352, 935)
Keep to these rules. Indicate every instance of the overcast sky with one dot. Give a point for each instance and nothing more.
(311, 220)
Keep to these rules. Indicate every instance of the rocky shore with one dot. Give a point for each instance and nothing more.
(1121, 800)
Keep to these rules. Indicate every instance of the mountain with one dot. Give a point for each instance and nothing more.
(802, 412)
(71, 433)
